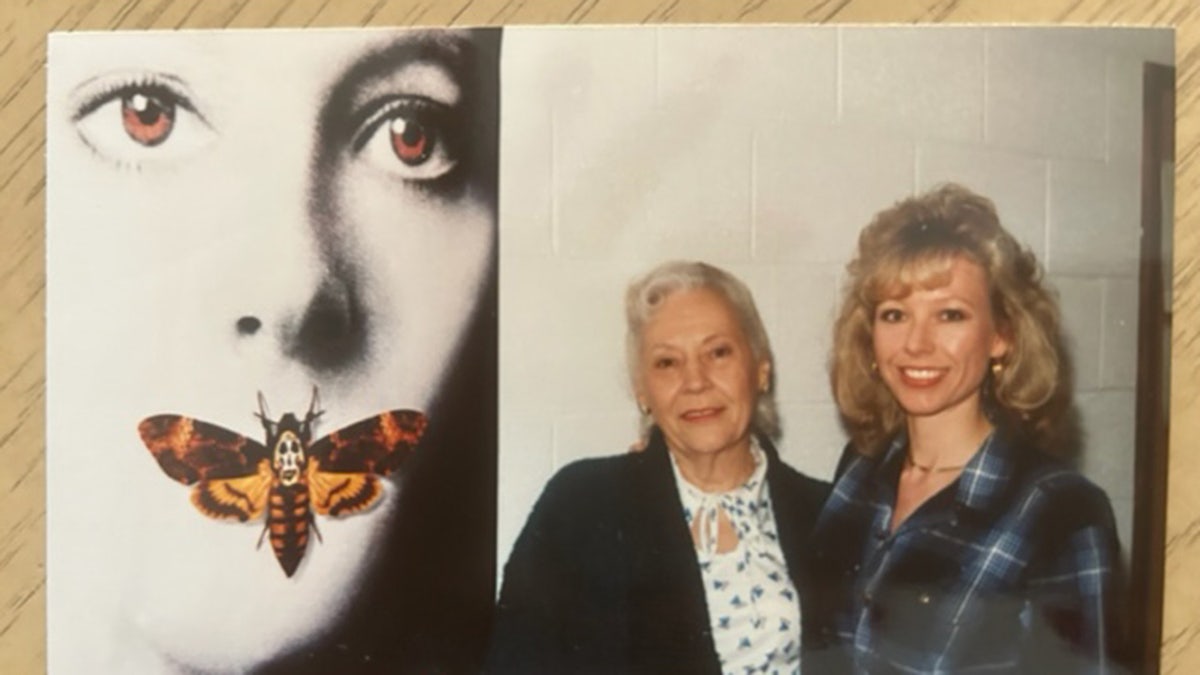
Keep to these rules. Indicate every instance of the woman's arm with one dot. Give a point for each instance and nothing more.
(536, 578)
(555, 613)
(1076, 598)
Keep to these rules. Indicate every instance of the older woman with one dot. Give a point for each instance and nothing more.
(684, 557)
(955, 540)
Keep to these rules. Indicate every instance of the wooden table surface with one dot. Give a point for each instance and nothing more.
(23, 28)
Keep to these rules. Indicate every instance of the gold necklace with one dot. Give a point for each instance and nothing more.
(931, 469)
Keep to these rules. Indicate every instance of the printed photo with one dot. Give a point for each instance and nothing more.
(923, 268)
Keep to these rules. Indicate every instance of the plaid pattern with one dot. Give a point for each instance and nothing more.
(1012, 568)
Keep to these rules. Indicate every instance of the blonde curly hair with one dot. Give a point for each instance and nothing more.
(912, 245)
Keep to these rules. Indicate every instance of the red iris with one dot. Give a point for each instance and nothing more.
(148, 119)
(411, 141)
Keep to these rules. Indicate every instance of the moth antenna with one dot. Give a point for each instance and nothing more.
(263, 413)
(313, 408)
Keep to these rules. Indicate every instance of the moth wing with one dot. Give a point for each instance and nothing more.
(241, 499)
(378, 444)
(189, 450)
(341, 494)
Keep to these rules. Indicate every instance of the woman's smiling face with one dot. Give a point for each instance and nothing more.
(236, 212)
(697, 374)
(933, 346)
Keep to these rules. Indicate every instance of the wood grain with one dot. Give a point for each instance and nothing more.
(23, 27)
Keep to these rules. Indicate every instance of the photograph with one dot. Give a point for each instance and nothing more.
(272, 342)
(920, 269)
(607, 349)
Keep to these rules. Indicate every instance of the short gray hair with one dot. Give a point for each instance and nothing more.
(646, 294)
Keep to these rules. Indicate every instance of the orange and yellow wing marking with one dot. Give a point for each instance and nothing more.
(377, 445)
(189, 450)
(240, 499)
(341, 494)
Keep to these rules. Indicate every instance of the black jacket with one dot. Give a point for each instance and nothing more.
(604, 577)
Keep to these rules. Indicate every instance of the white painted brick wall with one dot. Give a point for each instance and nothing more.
(1118, 365)
(1108, 433)
(801, 324)
(739, 74)
(816, 437)
(1015, 181)
(765, 150)
(1082, 302)
(1094, 216)
(897, 78)
(674, 173)
(1045, 92)
(817, 185)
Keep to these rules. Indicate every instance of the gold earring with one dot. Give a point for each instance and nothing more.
(997, 368)
(643, 408)
(874, 367)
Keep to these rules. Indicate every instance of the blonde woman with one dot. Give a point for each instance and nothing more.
(955, 540)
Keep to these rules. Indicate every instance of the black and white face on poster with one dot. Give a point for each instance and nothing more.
(264, 238)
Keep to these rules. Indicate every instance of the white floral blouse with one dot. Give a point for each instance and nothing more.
(752, 603)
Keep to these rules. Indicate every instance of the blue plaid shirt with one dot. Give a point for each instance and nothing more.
(1014, 567)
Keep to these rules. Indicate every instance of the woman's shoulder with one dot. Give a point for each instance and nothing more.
(586, 480)
(799, 481)
(1051, 474)
(791, 485)
(1063, 482)
(1054, 485)
(606, 467)
(850, 455)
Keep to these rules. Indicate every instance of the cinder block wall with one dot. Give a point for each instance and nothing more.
(765, 150)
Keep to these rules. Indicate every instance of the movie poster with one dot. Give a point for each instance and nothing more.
(272, 327)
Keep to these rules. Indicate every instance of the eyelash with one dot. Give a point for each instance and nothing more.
(143, 83)
(889, 315)
(175, 130)
(438, 126)
(892, 315)
(718, 352)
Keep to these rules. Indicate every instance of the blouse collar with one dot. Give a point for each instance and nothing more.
(747, 506)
